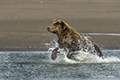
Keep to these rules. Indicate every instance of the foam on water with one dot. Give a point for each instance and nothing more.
(105, 34)
(81, 56)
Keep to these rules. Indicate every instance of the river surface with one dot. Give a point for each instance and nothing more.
(37, 65)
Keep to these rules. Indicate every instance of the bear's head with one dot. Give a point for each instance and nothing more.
(57, 26)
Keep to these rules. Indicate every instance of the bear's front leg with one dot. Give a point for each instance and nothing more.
(54, 53)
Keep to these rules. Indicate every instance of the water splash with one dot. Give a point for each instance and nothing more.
(81, 56)
(86, 57)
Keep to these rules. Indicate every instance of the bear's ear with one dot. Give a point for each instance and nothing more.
(62, 23)
(54, 20)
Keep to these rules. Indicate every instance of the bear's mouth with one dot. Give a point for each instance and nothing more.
(54, 32)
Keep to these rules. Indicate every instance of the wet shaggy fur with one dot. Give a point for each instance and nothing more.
(70, 40)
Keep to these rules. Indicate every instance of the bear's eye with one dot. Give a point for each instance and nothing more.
(54, 24)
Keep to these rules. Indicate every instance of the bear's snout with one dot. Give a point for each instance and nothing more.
(48, 28)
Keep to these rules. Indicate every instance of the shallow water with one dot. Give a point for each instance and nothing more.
(37, 65)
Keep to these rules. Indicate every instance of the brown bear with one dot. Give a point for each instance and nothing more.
(71, 41)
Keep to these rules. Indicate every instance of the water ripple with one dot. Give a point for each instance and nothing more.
(37, 65)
